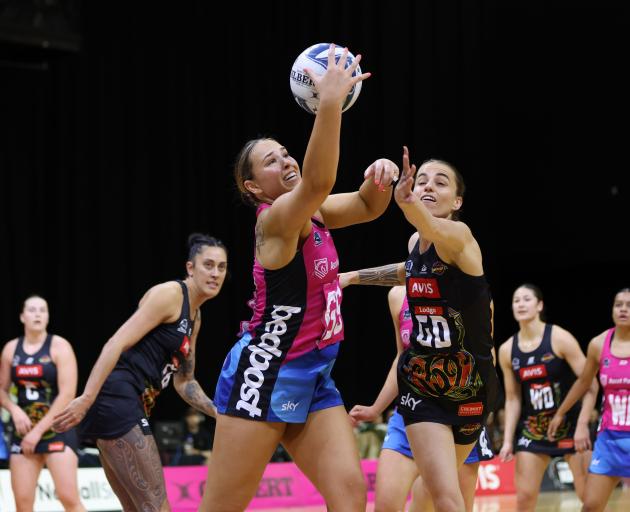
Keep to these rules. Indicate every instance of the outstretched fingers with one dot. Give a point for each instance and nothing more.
(404, 190)
(353, 67)
(331, 55)
(407, 169)
(342, 64)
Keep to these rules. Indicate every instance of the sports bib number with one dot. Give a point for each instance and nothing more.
(167, 372)
(541, 397)
(31, 393)
(333, 324)
(433, 331)
(619, 408)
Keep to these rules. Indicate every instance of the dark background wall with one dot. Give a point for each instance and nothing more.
(117, 142)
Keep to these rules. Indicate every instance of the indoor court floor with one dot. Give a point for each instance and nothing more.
(552, 501)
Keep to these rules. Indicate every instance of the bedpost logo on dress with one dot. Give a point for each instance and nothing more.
(261, 354)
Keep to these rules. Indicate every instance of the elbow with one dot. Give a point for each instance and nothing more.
(513, 402)
(112, 346)
(430, 230)
(437, 231)
(454, 243)
(180, 384)
(320, 186)
(375, 200)
(376, 208)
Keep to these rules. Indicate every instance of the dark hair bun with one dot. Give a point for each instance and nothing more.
(197, 241)
(199, 238)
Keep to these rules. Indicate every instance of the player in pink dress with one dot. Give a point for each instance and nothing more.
(275, 385)
(608, 353)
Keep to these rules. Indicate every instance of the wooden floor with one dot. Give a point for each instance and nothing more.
(556, 501)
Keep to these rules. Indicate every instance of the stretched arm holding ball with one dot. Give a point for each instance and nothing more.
(296, 301)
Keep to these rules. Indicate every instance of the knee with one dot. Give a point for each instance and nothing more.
(355, 485)
(24, 503)
(579, 491)
(388, 502)
(526, 498)
(579, 485)
(351, 493)
(69, 499)
(24, 500)
(383, 506)
(592, 505)
(448, 503)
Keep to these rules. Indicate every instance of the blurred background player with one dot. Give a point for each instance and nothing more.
(539, 363)
(43, 368)
(608, 353)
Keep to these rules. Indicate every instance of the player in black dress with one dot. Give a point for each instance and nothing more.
(447, 382)
(43, 369)
(156, 343)
(540, 363)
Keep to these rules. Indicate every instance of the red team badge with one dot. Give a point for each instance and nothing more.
(56, 446)
(29, 370)
(472, 409)
(423, 287)
(533, 372)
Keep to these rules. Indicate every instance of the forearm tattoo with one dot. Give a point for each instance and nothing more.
(387, 275)
(192, 391)
(196, 396)
(187, 366)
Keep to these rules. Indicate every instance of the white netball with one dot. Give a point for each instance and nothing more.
(315, 58)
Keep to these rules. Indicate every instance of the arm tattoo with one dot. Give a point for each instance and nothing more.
(195, 396)
(387, 275)
(191, 391)
(187, 366)
(260, 236)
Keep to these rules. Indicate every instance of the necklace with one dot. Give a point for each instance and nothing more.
(527, 344)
